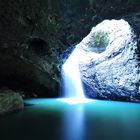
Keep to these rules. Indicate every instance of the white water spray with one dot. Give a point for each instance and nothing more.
(72, 89)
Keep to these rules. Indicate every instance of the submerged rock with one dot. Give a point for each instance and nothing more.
(113, 73)
(10, 101)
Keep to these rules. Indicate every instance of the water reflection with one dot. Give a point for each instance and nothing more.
(73, 124)
(52, 119)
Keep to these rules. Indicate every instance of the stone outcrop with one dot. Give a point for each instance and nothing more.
(114, 73)
(34, 33)
(30, 70)
(10, 101)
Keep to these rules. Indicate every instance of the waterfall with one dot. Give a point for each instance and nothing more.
(72, 84)
(72, 89)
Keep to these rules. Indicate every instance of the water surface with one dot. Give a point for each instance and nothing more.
(52, 119)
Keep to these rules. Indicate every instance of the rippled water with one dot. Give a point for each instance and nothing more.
(52, 119)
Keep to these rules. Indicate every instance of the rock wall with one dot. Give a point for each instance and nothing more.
(114, 73)
(34, 33)
(10, 101)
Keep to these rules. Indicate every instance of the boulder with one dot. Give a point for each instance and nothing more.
(114, 73)
(10, 101)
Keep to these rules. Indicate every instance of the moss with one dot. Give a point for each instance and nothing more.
(10, 101)
(100, 39)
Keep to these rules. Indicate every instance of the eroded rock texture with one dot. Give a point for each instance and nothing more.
(10, 101)
(33, 34)
(115, 73)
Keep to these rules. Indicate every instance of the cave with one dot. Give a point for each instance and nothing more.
(70, 69)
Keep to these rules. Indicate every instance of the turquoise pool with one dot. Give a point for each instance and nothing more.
(52, 119)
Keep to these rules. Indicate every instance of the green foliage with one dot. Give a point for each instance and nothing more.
(100, 39)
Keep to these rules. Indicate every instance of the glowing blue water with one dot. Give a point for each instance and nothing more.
(50, 119)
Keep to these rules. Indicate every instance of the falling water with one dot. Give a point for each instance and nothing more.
(72, 81)
(72, 89)
(72, 85)
(73, 126)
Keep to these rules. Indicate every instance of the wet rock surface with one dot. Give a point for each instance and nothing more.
(28, 70)
(115, 73)
(34, 33)
(10, 101)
